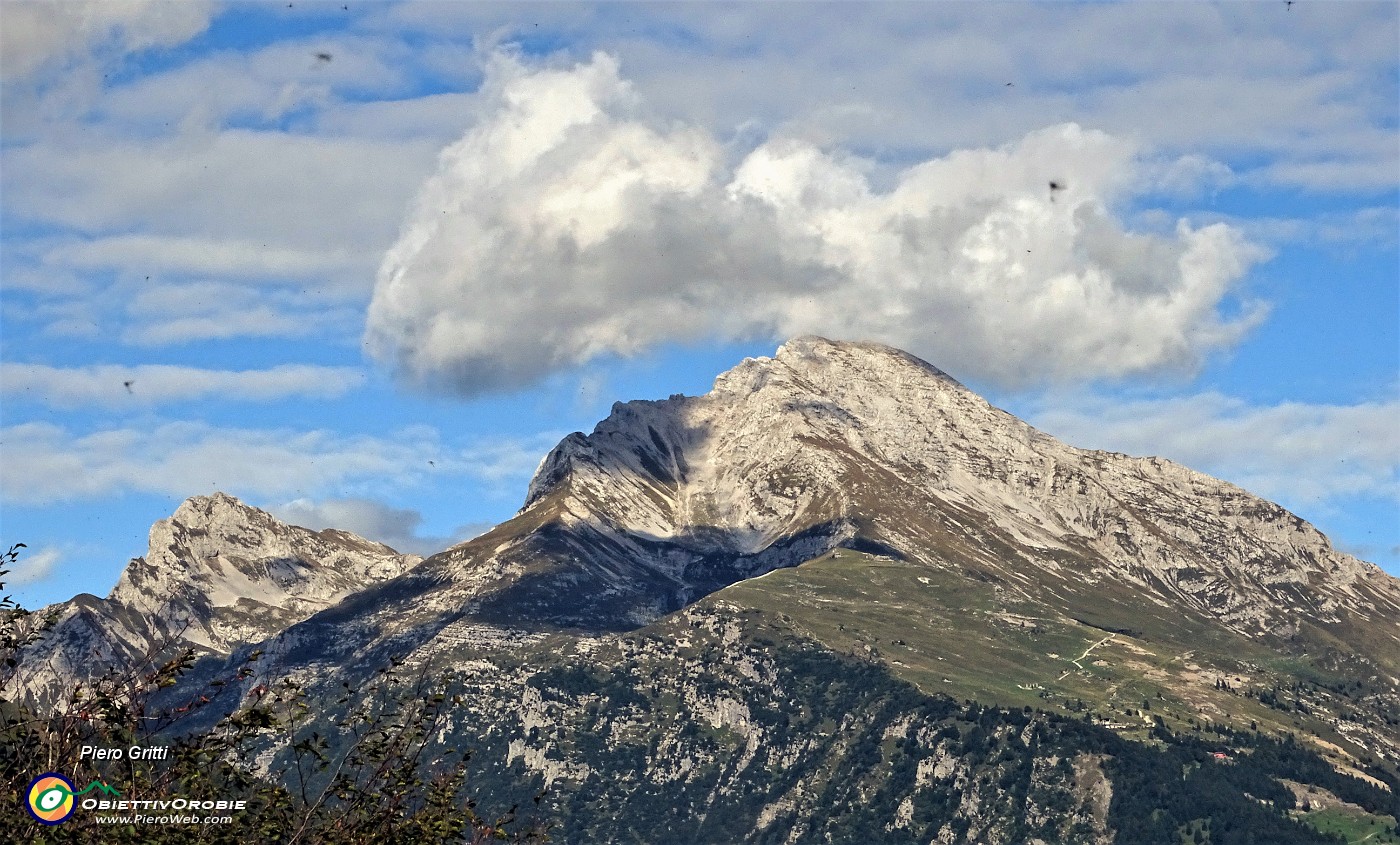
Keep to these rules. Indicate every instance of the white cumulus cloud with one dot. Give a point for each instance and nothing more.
(565, 226)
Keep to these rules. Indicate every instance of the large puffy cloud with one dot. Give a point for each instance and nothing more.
(564, 226)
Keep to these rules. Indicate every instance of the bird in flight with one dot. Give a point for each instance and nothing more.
(127, 384)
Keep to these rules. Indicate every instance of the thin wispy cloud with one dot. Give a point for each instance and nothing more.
(199, 255)
(121, 387)
(46, 463)
(261, 321)
(1302, 454)
(233, 189)
(399, 528)
(39, 35)
(34, 565)
(1269, 91)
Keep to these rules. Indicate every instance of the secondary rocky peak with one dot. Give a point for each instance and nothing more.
(217, 574)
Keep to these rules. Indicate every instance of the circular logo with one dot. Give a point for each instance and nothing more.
(50, 798)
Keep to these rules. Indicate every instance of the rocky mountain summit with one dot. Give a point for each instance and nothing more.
(218, 574)
(680, 604)
(831, 441)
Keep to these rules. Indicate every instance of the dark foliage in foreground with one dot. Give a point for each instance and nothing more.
(375, 785)
(372, 765)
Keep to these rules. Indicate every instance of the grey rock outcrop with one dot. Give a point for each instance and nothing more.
(217, 574)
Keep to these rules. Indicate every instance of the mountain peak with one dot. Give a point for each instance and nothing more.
(220, 514)
(818, 361)
(809, 350)
(908, 511)
(828, 437)
(709, 461)
(217, 573)
(203, 506)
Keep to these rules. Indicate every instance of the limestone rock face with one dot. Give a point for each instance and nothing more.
(217, 574)
(825, 445)
(828, 440)
(798, 572)
(220, 573)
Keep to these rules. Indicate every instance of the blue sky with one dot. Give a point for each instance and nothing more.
(364, 263)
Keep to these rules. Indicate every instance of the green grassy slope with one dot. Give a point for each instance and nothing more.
(1079, 648)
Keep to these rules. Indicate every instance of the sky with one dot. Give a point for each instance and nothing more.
(362, 264)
